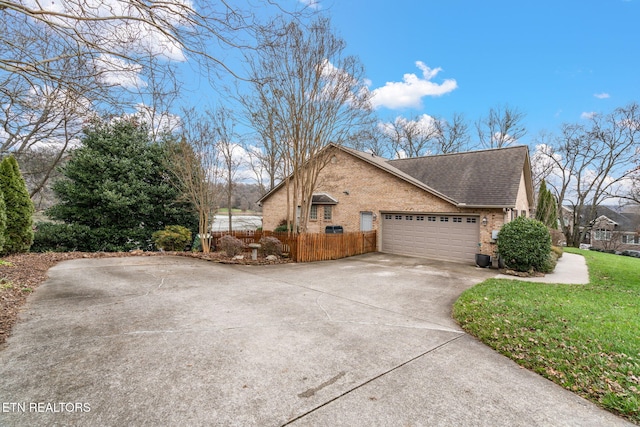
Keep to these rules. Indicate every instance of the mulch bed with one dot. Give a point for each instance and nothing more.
(21, 274)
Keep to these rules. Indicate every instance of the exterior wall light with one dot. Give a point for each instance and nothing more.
(485, 221)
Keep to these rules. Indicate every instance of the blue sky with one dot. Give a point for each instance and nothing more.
(556, 61)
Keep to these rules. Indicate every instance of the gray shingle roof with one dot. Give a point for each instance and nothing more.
(487, 178)
(476, 178)
(625, 221)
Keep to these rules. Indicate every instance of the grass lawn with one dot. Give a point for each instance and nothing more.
(584, 337)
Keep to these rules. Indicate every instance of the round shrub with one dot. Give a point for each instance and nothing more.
(232, 246)
(172, 238)
(525, 244)
(270, 246)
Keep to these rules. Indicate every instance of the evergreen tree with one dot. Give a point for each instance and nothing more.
(547, 208)
(116, 184)
(3, 221)
(18, 206)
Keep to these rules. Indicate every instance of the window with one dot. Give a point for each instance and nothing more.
(472, 220)
(420, 218)
(431, 219)
(601, 234)
(457, 219)
(387, 216)
(409, 217)
(327, 212)
(313, 215)
(444, 219)
(630, 239)
(398, 216)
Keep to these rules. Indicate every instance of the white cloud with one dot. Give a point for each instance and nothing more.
(116, 71)
(602, 95)
(313, 4)
(120, 25)
(340, 86)
(588, 115)
(159, 121)
(410, 91)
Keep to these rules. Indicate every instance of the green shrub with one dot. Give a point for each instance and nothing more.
(118, 183)
(270, 246)
(524, 244)
(77, 237)
(550, 263)
(282, 227)
(18, 208)
(558, 251)
(232, 246)
(52, 237)
(172, 238)
(3, 221)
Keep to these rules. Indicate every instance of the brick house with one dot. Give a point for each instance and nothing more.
(613, 230)
(443, 207)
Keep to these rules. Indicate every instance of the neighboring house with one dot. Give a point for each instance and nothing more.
(446, 207)
(612, 230)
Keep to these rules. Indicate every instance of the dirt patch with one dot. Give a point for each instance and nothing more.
(21, 274)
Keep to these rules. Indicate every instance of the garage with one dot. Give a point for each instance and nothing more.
(450, 237)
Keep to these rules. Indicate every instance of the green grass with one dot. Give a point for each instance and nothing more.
(584, 337)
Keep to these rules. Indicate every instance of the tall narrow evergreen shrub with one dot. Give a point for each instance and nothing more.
(3, 221)
(547, 208)
(19, 208)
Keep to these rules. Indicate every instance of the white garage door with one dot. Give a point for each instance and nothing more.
(437, 236)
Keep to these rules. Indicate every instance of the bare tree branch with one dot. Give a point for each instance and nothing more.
(501, 127)
(314, 96)
(590, 163)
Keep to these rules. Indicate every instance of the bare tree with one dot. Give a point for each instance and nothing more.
(317, 96)
(590, 165)
(450, 136)
(194, 162)
(228, 151)
(156, 96)
(411, 138)
(634, 191)
(40, 117)
(83, 55)
(266, 154)
(372, 139)
(121, 33)
(501, 127)
(542, 166)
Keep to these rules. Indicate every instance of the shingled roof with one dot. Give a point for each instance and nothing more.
(486, 178)
(475, 178)
(624, 221)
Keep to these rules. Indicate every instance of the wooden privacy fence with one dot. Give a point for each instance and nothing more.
(310, 247)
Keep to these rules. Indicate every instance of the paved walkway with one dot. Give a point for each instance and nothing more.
(571, 269)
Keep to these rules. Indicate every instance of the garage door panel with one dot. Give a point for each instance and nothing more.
(448, 237)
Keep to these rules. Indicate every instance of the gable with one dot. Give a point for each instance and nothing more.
(378, 163)
(621, 221)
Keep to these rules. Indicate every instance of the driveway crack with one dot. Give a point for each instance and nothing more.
(370, 380)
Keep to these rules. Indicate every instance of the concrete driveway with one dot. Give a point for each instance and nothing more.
(364, 341)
